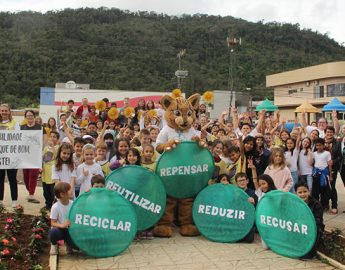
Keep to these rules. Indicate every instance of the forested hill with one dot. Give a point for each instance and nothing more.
(115, 49)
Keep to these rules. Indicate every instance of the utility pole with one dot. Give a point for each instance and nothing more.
(180, 74)
(233, 44)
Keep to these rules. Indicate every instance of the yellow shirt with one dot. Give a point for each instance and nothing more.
(105, 166)
(238, 166)
(48, 159)
(150, 166)
(155, 153)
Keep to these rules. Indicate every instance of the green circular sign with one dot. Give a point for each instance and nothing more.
(185, 170)
(103, 224)
(286, 224)
(143, 189)
(222, 213)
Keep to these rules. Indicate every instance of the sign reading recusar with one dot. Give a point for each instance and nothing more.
(286, 224)
(185, 170)
(103, 224)
(222, 213)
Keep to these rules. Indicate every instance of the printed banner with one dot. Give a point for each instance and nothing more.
(143, 189)
(222, 213)
(286, 224)
(185, 170)
(103, 224)
(20, 149)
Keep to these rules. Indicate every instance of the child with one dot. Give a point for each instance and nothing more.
(278, 170)
(101, 157)
(77, 158)
(145, 138)
(64, 170)
(305, 162)
(59, 221)
(133, 157)
(242, 182)
(48, 159)
(97, 181)
(291, 157)
(302, 191)
(88, 168)
(217, 152)
(321, 175)
(121, 151)
(223, 179)
(147, 157)
(238, 162)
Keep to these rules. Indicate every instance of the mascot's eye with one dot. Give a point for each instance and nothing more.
(177, 113)
(189, 113)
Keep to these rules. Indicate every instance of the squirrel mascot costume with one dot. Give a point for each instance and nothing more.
(179, 115)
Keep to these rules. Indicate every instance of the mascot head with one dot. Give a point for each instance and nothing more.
(180, 112)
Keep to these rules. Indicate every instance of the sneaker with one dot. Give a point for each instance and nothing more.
(54, 249)
(69, 250)
(14, 204)
(142, 235)
(32, 199)
(149, 235)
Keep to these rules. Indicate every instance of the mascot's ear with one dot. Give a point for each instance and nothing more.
(166, 102)
(194, 101)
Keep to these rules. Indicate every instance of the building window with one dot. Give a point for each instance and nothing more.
(334, 90)
(319, 91)
(291, 91)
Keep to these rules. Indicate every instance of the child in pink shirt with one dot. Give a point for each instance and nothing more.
(278, 170)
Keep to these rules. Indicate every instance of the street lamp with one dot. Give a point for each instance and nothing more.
(180, 74)
(232, 43)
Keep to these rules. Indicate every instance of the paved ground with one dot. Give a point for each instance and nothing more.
(187, 253)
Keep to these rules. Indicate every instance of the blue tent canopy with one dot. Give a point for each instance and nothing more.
(334, 105)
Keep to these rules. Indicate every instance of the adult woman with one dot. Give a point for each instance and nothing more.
(8, 123)
(30, 174)
(51, 125)
(141, 107)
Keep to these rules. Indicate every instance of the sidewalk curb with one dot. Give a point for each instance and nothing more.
(331, 261)
(53, 262)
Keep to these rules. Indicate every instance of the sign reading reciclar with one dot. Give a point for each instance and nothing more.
(222, 213)
(286, 224)
(103, 224)
(185, 170)
(143, 189)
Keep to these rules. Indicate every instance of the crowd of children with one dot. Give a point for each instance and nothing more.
(83, 146)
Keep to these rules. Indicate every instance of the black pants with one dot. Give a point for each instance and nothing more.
(12, 179)
(333, 193)
(56, 234)
(342, 174)
(48, 193)
(321, 194)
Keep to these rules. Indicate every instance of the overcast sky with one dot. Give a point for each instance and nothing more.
(318, 15)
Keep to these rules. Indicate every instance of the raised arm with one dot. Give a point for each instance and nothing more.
(101, 135)
(261, 121)
(234, 115)
(254, 174)
(303, 120)
(336, 123)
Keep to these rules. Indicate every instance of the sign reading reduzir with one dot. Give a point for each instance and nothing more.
(20, 149)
